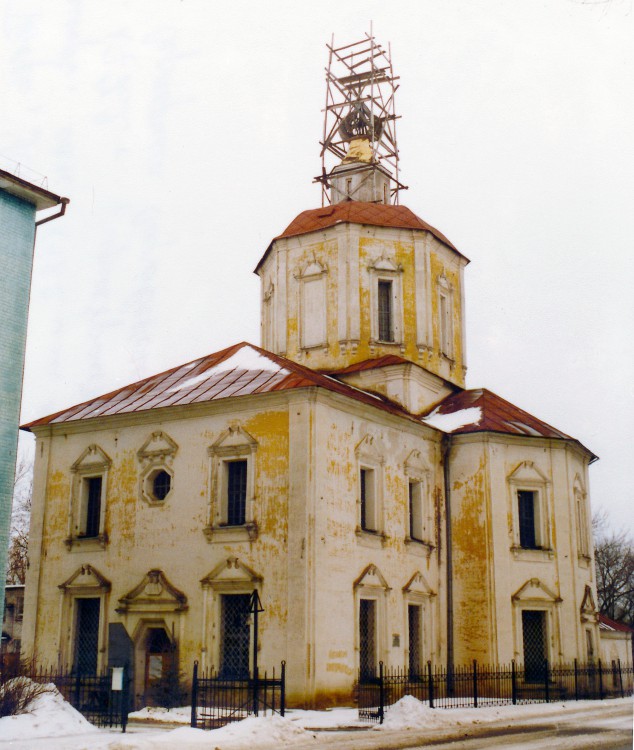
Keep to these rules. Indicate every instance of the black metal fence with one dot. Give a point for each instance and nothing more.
(95, 696)
(473, 685)
(218, 699)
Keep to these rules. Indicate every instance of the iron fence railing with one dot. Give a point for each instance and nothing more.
(218, 699)
(100, 699)
(473, 685)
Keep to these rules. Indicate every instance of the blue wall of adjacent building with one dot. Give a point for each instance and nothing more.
(17, 235)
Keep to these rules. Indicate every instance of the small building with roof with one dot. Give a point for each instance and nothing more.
(381, 511)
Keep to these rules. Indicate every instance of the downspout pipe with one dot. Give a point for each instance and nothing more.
(446, 456)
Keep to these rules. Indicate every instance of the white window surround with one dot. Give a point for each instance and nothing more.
(417, 591)
(312, 306)
(369, 455)
(268, 317)
(536, 596)
(155, 455)
(445, 295)
(526, 476)
(372, 585)
(85, 583)
(581, 519)
(384, 269)
(231, 576)
(418, 472)
(92, 463)
(234, 444)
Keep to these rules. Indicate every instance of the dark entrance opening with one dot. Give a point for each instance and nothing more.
(234, 635)
(86, 635)
(534, 635)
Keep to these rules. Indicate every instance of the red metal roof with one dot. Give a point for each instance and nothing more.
(609, 624)
(496, 415)
(244, 369)
(240, 370)
(371, 364)
(357, 212)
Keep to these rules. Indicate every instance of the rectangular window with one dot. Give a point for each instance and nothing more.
(445, 325)
(314, 331)
(234, 635)
(416, 526)
(367, 638)
(534, 638)
(91, 525)
(527, 518)
(589, 645)
(236, 492)
(582, 526)
(386, 329)
(367, 497)
(415, 631)
(86, 644)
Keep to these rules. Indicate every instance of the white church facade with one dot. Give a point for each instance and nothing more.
(382, 511)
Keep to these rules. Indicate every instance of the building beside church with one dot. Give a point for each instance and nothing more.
(20, 203)
(381, 510)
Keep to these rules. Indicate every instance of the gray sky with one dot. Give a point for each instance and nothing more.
(185, 135)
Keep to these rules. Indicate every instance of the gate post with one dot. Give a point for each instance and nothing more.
(283, 690)
(576, 681)
(621, 679)
(125, 698)
(600, 681)
(194, 695)
(475, 683)
(546, 685)
(381, 693)
(430, 685)
(513, 683)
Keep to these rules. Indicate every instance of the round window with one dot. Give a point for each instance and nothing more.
(161, 485)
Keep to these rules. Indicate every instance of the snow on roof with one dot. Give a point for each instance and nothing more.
(240, 370)
(453, 420)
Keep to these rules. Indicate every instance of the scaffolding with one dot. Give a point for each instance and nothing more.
(360, 91)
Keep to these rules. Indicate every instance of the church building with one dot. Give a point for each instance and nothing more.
(342, 470)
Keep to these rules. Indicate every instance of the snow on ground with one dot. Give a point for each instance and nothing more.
(454, 420)
(49, 716)
(180, 715)
(262, 732)
(54, 725)
(410, 713)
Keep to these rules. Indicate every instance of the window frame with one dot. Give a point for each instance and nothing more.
(93, 463)
(371, 585)
(314, 277)
(526, 477)
(385, 270)
(235, 444)
(370, 459)
(445, 307)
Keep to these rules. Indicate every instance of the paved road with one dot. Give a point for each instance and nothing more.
(596, 728)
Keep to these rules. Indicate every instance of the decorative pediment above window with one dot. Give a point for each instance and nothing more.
(85, 578)
(527, 472)
(312, 270)
(93, 459)
(153, 594)
(444, 283)
(230, 575)
(371, 578)
(535, 591)
(415, 464)
(370, 448)
(158, 447)
(418, 585)
(233, 442)
(385, 265)
(588, 609)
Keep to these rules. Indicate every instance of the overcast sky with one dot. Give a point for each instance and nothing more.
(185, 134)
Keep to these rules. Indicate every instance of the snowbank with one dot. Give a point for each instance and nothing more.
(261, 732)
(49, 716)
